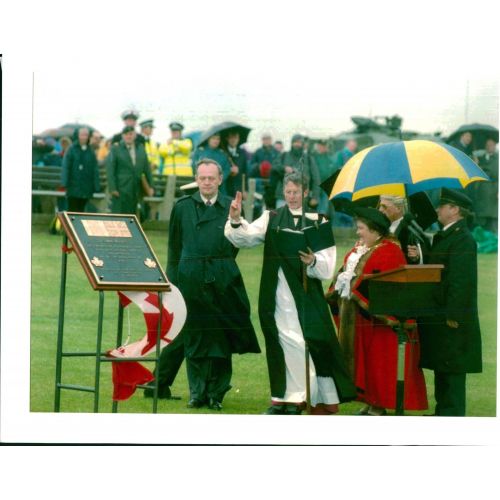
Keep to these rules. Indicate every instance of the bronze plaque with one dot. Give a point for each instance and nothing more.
(114, 251)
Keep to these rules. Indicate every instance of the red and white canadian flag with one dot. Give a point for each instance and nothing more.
(128, 374)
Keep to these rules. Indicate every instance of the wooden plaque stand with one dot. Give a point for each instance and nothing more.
(115, 255)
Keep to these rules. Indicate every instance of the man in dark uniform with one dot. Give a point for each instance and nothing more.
(201, 263)
(126, 165)
(129, 117)
(451, 340)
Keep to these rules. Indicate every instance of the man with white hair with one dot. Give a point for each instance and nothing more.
(409, 234)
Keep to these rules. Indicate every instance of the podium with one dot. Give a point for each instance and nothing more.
(115, 255)
(405, 293)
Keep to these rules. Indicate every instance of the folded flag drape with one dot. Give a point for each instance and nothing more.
(128, 374)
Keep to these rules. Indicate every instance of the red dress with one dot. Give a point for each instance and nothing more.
(372, 343)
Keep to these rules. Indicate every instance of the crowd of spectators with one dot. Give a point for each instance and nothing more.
(268, 164)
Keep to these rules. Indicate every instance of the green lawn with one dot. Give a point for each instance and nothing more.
(250, 392)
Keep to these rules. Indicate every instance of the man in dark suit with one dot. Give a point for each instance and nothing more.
(129, 117)
(127, 170)
(414, 243)
(201, 263)
(451, 340)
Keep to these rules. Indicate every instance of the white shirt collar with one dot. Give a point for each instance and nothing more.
(212, 200)
(394, 225)
(298, 211)
(449, 225)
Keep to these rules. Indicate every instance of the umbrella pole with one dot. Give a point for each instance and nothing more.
(304, 284)
(308, 375)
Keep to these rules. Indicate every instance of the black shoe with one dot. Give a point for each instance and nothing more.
(276, 410)
(213, 404)
(195, 403)
(163, 393)
(293, 410)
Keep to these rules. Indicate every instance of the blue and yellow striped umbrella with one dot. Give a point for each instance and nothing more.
(404, 168)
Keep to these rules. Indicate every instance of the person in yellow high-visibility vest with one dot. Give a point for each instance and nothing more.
(151, 146)
(176, 152)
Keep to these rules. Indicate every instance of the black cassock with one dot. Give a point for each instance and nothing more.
(314, 316)
(201, 263)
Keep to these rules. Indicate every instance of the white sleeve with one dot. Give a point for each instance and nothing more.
(325, 264)
(247, 235)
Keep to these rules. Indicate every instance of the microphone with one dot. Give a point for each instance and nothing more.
(414, 227)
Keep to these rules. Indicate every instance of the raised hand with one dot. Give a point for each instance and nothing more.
(235, 208)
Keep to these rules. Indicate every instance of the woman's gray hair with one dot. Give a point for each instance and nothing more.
(208, 160)
(400, 201)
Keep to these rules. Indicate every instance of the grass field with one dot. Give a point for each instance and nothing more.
(250, 387)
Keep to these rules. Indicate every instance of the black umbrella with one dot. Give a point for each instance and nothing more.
(223, 129)
(422, 209)
(68, 130)
(480, 134)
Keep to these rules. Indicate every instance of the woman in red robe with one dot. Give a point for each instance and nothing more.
(369, 343)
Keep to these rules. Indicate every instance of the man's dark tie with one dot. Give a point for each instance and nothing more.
(208, 203)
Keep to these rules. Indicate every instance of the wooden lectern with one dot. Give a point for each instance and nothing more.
(406, 293)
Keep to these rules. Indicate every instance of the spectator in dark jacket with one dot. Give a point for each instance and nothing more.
(80, 172)
(40, 147)
(263, 158)
(128, 173)
(326, 168)
(346, 153)
(295, 160)
(464, 143)
(238, 158)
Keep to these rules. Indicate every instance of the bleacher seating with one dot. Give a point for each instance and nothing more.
(46, 184)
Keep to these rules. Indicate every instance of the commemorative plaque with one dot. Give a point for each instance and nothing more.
(114, 251)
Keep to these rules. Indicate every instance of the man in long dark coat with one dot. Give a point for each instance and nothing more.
(201, 263)
(451, 341)
(126, 166)
(289, 315)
